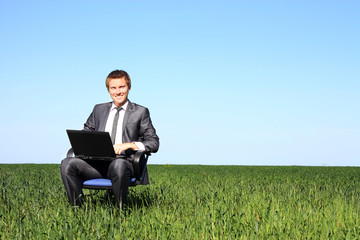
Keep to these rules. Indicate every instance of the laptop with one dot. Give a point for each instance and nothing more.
(91, 145)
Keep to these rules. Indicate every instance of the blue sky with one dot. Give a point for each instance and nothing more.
(226, 82)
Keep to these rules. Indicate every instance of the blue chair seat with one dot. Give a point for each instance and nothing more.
(98, 182)
(101, 183)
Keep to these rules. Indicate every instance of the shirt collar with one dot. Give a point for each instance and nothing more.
(113, 106)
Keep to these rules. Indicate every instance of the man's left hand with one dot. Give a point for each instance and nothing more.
(119, 148)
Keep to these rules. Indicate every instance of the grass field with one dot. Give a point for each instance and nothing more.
(188, 202)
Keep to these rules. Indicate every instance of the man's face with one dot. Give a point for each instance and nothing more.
(119, 91)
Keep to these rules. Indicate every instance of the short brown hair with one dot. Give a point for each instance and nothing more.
(118, 74)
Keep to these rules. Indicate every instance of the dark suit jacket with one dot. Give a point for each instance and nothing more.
(137, 126)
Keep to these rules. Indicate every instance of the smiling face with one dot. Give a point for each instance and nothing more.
(118, 90)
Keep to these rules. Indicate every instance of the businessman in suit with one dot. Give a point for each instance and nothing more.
(130, 128)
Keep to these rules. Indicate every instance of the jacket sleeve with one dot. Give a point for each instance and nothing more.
(148, 133)
(90, 122)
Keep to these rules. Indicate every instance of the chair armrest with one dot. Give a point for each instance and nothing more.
(140, 161)
(70, 153)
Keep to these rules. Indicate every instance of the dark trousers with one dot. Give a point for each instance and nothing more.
(75, 171)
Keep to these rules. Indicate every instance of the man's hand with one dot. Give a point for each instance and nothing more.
(119, 148)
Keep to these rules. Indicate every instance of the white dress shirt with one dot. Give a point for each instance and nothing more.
(109, 124)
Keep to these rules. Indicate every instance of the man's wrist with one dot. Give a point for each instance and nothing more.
(139, 146)
(133, 146)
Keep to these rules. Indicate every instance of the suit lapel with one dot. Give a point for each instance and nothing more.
(104, 116)
(128, 112)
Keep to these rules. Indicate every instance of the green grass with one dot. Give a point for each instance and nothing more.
(188, 202)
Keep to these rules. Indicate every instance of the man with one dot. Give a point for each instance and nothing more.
(130, 128)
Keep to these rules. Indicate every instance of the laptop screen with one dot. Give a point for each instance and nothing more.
(91, 144)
